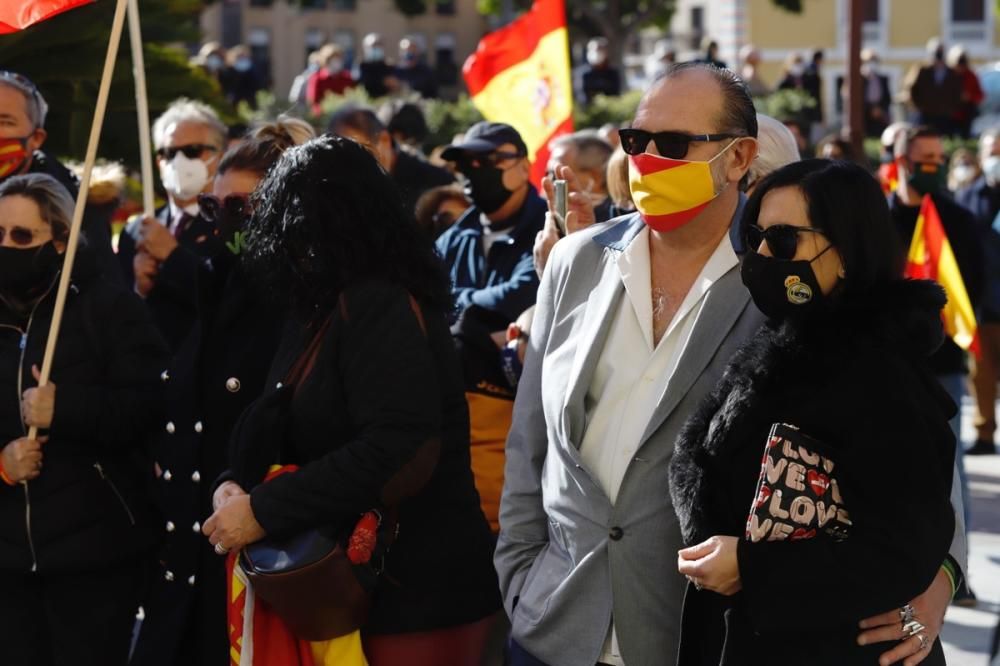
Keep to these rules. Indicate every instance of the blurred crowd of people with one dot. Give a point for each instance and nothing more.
(507, 379)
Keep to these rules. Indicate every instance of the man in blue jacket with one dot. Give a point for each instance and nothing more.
(488, 251)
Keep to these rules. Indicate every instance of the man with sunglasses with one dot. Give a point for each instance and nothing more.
(488, 250)
(23, 111)
(635, 322)
(160, 256)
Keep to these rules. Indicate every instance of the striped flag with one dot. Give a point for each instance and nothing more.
(19, 14)
(931, 258)
(520, 75)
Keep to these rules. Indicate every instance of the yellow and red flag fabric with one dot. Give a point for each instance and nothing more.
(520, 75)
(19, 14)
(258, 637)
(931, 258)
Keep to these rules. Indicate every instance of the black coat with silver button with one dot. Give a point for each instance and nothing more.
(89, 508)
(219, 369)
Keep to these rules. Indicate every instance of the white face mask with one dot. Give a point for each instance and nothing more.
(797, 70)
(334, 66)
(991, 169)
(964, 174)
(183, 177)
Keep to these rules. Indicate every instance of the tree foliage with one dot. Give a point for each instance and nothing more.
(64, 56)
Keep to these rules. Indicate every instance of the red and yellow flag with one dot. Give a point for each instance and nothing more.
(19, 14)
(931, 258)
(520, 75)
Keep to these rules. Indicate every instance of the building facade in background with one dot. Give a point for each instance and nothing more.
(281, 34)
(897, 30)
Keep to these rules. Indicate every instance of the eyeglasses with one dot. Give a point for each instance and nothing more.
(25, 85)
(21, 236)
(673, 145)
(232, 211)
(192, 151)
(782, 239)
(477, 160)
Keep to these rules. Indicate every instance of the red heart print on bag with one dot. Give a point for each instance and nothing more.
(818, 482)
(802, 533)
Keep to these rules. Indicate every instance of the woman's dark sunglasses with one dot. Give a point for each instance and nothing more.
(782, 239)
(234, 209)
(18, 235)
(673, 145)
(192, 151)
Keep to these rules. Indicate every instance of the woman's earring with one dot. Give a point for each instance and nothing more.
(842, 273)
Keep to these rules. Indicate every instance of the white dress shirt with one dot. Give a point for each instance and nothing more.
(633, 373)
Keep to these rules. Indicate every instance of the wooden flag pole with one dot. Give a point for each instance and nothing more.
(141, 107)
(81, 197)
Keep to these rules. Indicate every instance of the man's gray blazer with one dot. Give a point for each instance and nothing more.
(566, 558)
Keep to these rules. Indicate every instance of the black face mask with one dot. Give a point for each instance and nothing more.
(25, 272)
(782, 289)
(484, 185)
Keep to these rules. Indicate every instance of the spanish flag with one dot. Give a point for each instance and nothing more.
(931, 258)
(19, 14)
(520, 75)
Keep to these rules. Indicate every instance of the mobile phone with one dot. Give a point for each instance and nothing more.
(560, 211)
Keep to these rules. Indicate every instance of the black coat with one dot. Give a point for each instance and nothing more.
(855, 381)
(88, 508)
(218, 370)
(379, 391)
(173, 301)
(414, 176)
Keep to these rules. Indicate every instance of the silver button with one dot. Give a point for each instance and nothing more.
(198, 427)
(195, 476)
(233, 384)
(169, 576)
(191, 581)
(164, 376)
(171, 427)
(167, 475)
(196, 527)
(170, 526)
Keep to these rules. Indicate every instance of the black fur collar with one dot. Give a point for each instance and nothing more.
(902, 317)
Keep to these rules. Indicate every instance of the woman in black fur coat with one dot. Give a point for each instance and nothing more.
(847, 514)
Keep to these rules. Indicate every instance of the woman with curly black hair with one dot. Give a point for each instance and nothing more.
(379, 419)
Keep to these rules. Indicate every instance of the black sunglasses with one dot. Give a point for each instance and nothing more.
(20, 236)
(234, 209)
(673, 145)
(477, 160)
(782, 239)
(192, 151)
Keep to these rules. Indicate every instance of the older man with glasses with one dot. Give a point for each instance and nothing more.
(488, 250)
(160, 256)
(23, 112)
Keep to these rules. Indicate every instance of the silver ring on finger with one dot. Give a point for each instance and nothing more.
(924, 641)
(913, 628)
(220, 549)
(907, 614)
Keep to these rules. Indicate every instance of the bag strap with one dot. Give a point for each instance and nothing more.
(303, 365)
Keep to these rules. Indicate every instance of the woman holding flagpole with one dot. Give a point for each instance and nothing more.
(75, 524)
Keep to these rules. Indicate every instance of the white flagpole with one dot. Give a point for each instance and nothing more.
(141, 107)
(81, 197)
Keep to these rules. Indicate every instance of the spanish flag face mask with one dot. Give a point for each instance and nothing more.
(670, 193)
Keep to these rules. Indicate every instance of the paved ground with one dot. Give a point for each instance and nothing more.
(968, 631)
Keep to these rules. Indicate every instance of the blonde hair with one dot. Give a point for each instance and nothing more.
(776, 148)
(618, 187)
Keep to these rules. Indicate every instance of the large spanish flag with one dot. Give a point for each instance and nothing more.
(931, 258)
(19, 14)
(520, 75)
